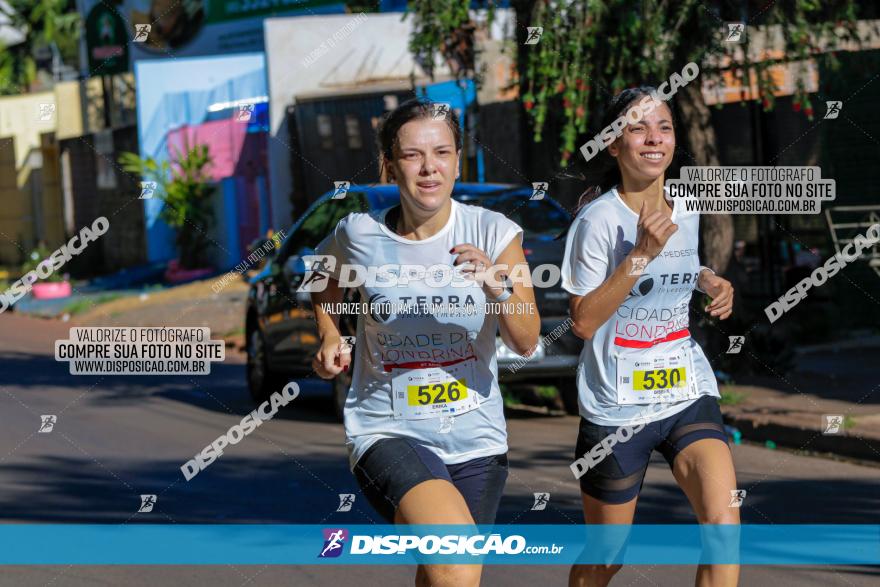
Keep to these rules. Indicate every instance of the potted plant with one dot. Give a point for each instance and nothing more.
(54, 286)
(185, 186)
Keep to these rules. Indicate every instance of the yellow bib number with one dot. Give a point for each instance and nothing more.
(436, 393)
(658, 379)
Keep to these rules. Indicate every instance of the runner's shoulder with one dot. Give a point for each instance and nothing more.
(359, 223)
(484, 217)
(600, 212)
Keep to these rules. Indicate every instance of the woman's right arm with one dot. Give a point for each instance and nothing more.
(589, 312)
(331, 358)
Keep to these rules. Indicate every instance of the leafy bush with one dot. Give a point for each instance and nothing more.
(187, 197)
(35, 258)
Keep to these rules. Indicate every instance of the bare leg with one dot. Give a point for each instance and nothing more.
(704, 470)
(438, 502)
(599, 512)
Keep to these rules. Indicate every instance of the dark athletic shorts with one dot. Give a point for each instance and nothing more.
(393, 466)
(618, 477)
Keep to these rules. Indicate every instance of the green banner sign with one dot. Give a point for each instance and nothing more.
(226, 10)
(107, 41)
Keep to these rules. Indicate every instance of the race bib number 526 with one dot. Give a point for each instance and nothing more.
(436, 393)
(431, 392)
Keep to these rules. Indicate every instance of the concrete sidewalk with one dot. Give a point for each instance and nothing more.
(832, 379)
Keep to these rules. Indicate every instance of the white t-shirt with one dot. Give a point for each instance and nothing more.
(402, 344)
(652, 319)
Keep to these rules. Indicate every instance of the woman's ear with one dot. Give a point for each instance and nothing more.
(614, 149)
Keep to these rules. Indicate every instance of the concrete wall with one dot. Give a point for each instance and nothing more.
(327, 54)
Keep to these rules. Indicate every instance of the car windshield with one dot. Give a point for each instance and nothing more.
(538, 218)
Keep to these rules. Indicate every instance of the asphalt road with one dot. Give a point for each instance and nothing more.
(119, 437)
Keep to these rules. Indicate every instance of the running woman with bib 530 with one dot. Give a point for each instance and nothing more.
(631, 265)
(424, 418)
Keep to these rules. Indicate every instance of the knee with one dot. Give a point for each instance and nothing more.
(721, 516)
(583, 575)
(448, 575)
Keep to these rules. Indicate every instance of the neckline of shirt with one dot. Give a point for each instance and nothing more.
(636, 214)
(440, 233)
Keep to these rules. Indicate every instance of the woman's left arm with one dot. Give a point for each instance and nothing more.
(518, 316)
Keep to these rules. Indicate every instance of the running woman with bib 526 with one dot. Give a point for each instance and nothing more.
(424, 418)
(631, 265)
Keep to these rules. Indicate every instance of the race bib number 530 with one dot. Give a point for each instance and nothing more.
(666, 377)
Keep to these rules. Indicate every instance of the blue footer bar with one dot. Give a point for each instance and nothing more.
(210, 544)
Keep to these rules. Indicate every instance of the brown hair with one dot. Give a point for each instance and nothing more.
(413, 109)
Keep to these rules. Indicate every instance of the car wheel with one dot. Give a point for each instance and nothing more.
(568, 393)
(261, 381)
(341, 383)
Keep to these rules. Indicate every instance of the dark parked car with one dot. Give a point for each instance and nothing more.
(280, 329)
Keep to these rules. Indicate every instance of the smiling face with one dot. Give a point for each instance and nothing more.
(645, 149)
(425, 164)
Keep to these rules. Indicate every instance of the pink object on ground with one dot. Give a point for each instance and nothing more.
(51, 289)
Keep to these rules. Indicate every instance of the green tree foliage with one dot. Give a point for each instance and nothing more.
(186, 189)
(592, 49)
(44, 23)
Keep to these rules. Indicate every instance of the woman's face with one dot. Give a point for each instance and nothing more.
(425, 164)
(645, 149)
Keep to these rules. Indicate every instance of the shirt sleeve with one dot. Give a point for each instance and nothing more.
(330, 253)
(585, 261)
(505, 231)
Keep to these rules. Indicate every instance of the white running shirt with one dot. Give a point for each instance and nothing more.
(401, 345)
(653, 318)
